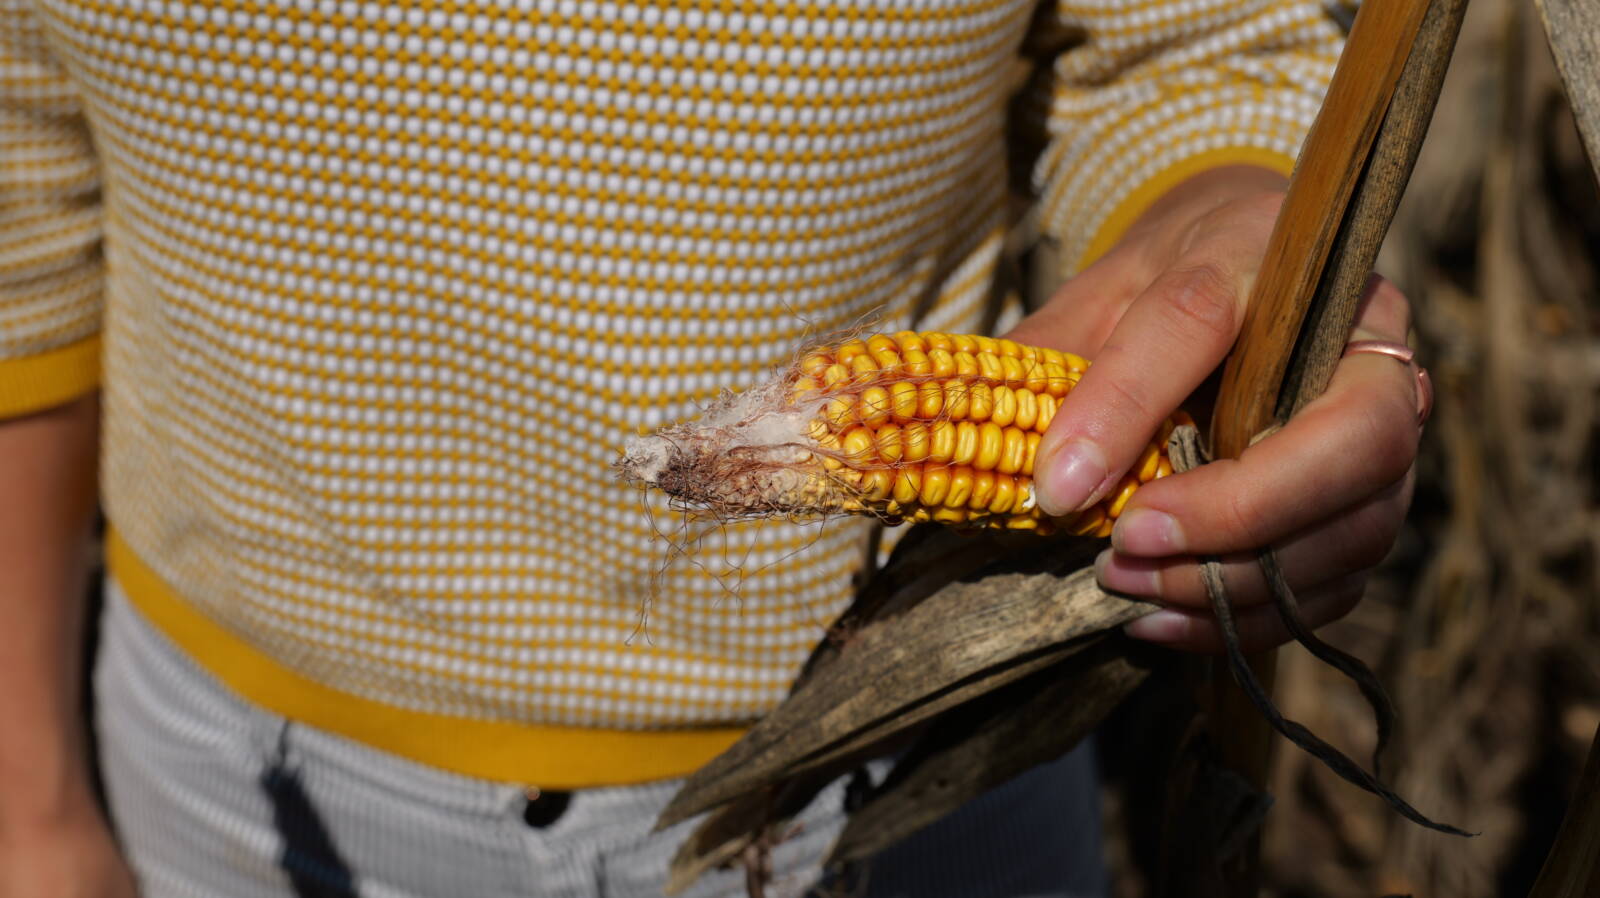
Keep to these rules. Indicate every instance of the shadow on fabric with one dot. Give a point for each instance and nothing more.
(309, 857)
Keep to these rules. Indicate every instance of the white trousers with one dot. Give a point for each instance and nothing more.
(215, 797)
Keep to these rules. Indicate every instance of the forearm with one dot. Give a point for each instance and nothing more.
(47, 506)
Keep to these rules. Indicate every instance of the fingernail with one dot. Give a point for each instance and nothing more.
(1126, 576)
(1070, 477)
(1160, 626)
(1147, 532)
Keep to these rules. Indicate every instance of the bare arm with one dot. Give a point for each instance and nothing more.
(53, 840)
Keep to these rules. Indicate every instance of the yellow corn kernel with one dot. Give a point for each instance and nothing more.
(863, 369)
(935, 485)
(916, 363)
(859, 445)
(991, 443)
(1047, 412)
(939, 341)
(961, 480)
(907, 485)
(981, 400)
(1031, 451)
(910, 341)
(941, 442)
(1005, 406)
(957, 400)
(930, 400)
(990, 368)
(804, 388)
(834, 375)
(888, 442)
(1088, 522)
(982, 490)
(1034, 378)
(1056, 382)
(914, 442)
(941, 363)
(964, 343)
(966, 443)
(882, 343)
(877, 484)
(847, 352)
(966, 365)
(1011, 370)
(1027, 408)
(1120, 496)
(1149, 461)
(840, 412)
(830, 445)
(874, 406)
(1005, 493)
(1011, 454)
(814, 363)
(903, 400)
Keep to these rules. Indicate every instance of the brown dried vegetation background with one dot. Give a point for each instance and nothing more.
(1483, 624)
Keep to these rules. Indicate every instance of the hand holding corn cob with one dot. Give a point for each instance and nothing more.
(904, 427)
(1160, 311)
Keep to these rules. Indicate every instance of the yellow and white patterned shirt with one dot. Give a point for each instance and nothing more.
(378, 289)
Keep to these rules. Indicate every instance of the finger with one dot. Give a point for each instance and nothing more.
(1083, 311)
(1382, 313)
(1172, 336)
(1354, 440)
(1259, 627)
(1355, 540)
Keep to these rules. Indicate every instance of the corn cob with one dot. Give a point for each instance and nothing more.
(905, 427)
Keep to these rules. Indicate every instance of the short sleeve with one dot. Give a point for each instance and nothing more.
(50, 261)
(1156, 92)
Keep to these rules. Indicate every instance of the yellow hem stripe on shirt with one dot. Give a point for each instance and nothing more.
(37, 382)
(1145, 195)
(549, 757)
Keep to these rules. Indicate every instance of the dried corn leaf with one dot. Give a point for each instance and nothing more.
(984, 627)
(1573, 27)
(985, 743)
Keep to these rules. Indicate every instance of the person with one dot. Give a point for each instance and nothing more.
(351, 305)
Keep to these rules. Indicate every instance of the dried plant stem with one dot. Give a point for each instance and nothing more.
(1573, 868)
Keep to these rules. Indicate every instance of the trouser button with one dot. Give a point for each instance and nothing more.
(544, 807)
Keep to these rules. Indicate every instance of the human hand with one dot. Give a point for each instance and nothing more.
(1328, 491)
(74, 857)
